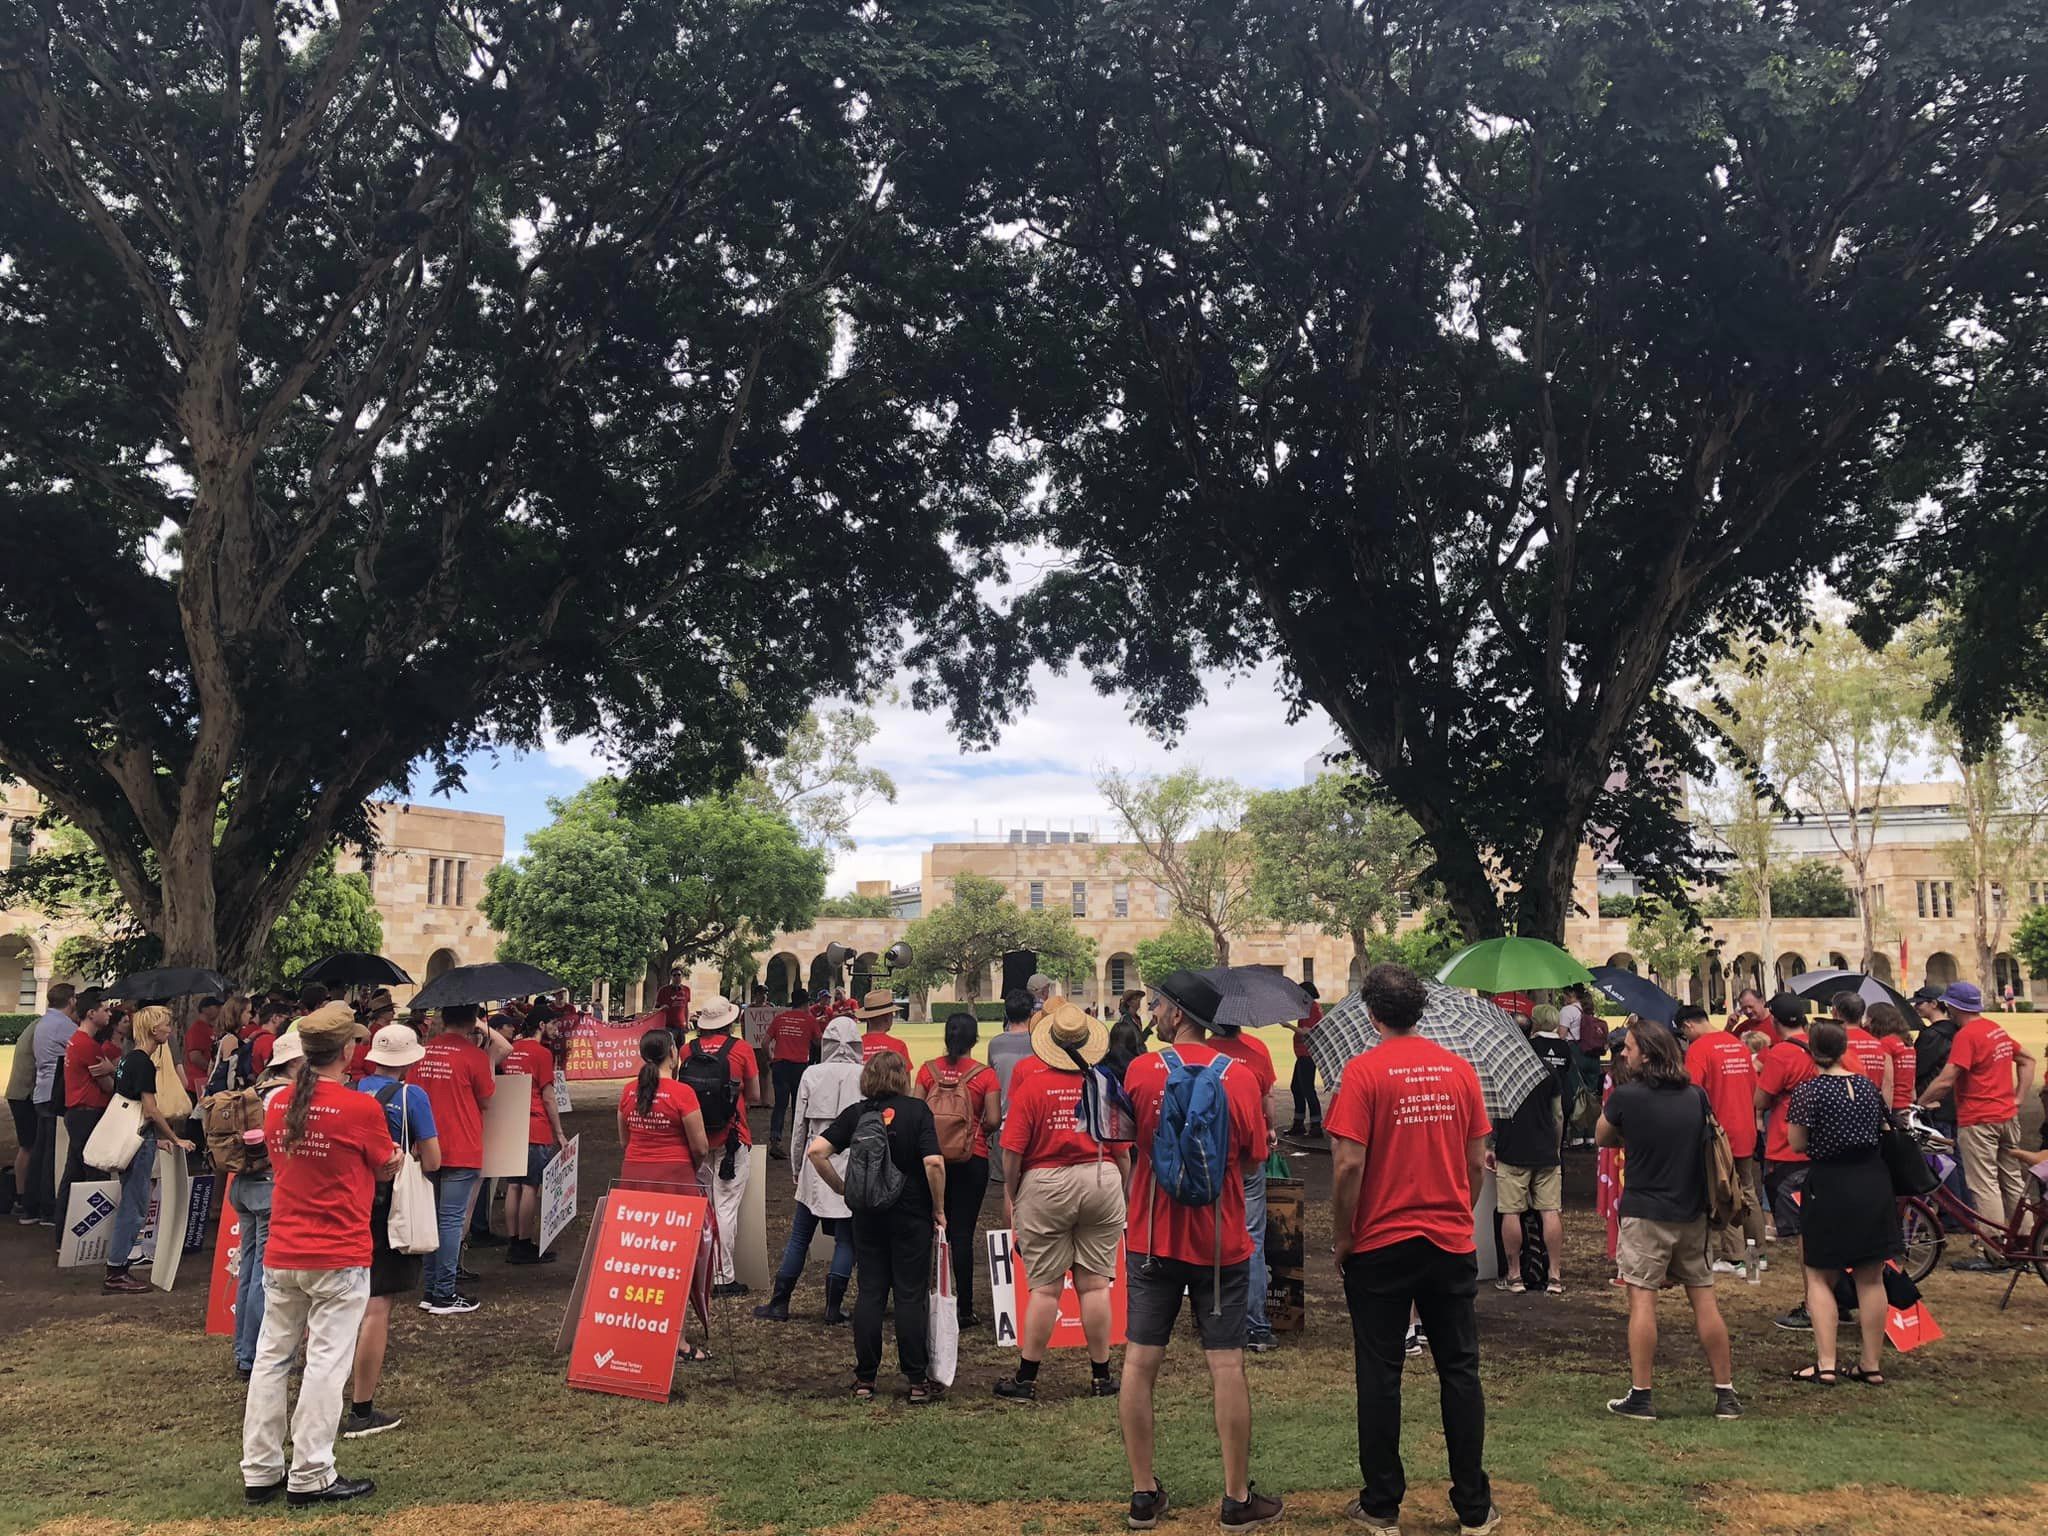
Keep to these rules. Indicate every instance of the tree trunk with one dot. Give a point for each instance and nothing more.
(190, 936)
(1222, 944)
(1763, 924)
(1862, 868)
(1546, 900)
(1359, 958)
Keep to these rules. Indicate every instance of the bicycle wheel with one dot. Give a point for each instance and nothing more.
(2039, 1257)
(1920, 1227)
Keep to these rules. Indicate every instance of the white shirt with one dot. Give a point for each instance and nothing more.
(53, 1032)
(1568, 1019)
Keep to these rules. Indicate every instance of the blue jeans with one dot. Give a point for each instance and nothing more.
(803, 1226)
(1255, 1223)
(451, 1206)
(134, 1205)
(251, 1200)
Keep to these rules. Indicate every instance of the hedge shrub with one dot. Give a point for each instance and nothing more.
(12, 1025)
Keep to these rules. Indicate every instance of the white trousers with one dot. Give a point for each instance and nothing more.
(325, 1307)
(726, 1195)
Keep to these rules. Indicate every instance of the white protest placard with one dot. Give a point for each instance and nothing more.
(174, 1215)
(505, 1121)
(558, 1193)
(754, 1021)
(1009, 1287)
(750, 1243)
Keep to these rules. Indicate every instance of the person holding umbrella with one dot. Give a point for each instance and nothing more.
(1408, 1128)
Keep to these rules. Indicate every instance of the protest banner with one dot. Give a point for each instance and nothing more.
(505, 1123)
(754, 1022)
(558, 1193)
(227, 1268)
(602, 1052)
(1008, 1291)
(630, 1307)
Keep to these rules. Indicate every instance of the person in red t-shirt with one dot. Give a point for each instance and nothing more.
(1866, 1054)
(328, 1147)
(661, 1126)
(89, 1062)
(1201, 1252)
(967, 1092)
(531, 1059)
(1722, 1067)
(1888, 1024)
(1252, 1051)
(1408, 1130)
(456, 1074)
(198, 1054)
(1990, 1073)
(674, 1002)
(876, 1013)
(1303, 1083)
(1751, 1012)
(270, 1018)
(792, 1038)
(1063, 1190)
(1778, 1071)
(716, 1023)
(376, 1013)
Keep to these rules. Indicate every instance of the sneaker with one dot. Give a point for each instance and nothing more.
(123, 1285)
(339, 1491)
(1634, 1404)
(1012, 1390)
(1726, 1404)
(1260, 1343)
(360, 1426)
(1795, 1321)
(1415, 1342)
(1978, 1266)
(449, 1306)
(25, 1220)
(1148, 1509)
(1485, 1527)
(1727, 1267)
(262, 1493)
(729, 1288)
(1255, 1509)
(1103, 1386)
(1355, 1513)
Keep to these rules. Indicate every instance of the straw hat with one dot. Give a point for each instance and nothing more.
(718, 1013)
(395, 1045)
(1063, 1025)
(378, 1002)
(878, 1004)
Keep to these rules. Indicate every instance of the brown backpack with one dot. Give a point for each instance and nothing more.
(1727, 1195)
(952, 1108)
(228, 1116)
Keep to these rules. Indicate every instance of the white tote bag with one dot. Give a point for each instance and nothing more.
(415, 1224)
(945, 1314)
(117, 1138)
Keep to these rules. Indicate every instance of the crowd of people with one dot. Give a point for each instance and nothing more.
(1140, 1140)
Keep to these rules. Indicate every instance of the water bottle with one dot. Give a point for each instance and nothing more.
(1753, 1267)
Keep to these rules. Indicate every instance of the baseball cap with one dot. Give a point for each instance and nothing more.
(1927, 995)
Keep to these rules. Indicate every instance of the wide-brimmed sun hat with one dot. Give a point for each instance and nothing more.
(395, 1045)
(1963, 997)
(718, 1013)
(1062, 1028)
(329, 1024)
(288, 1049)
(1193, 995)
(878, 1004)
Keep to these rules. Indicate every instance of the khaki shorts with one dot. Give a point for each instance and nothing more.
(1516, 1190)
(1654, 1253)
(1069, 1218)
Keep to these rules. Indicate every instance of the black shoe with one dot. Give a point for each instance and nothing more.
(1296, 1129)
(1634, 1404)
(776, 1308)
(776, 1152)
(835, 1298)
(340, 1491)
(1148, 1509)
(263, 1493)
(1978, 1266)
(1250, 1512)
(1261, 1342)
(1015, 1391)
(1795, 1321)
(969, 1320)
(466, 1275)
(1726, 1404)
(1102, 1386)
(1315, 1130)
(245, 1372)
(726, 1288)
(483, 1240)
(1414, 1343)
(360, 1426)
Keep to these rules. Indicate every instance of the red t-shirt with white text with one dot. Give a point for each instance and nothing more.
(1414, 1107)
(743, 1066)
(1766, 1026)
(656, 1141)
(1866, 1054)
(456, 1075)
(1905, 1062)
(536, 1063)
(790, 1034)
(1781, 1069)
(881, 1040)
(1162, 1227)
(1721, 1065)
(1042, 1123)
(321, 1189)
(1983, 1055)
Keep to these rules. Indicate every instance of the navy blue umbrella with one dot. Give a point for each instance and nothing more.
(1634, 993)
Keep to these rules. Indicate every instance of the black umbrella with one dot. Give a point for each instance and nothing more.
(352, 968)
(483, 984)
(1821, 987)
(171, 981)
(1634, 993)
(1248, 996)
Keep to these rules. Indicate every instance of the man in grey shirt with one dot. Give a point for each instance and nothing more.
(53, 1033)
(1007, 1049)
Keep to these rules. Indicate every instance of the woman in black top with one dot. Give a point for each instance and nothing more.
(1847, 1215)
(892, 1249)
(136, 1078)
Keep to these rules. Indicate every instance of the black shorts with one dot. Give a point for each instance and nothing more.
(538, 1156)
(24, 1120)
(1155, 1286)
(391, 1273)
(1783, 1184)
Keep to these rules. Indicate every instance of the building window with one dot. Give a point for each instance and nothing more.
(1038, 895)
(1407, 904)
(433, 881)
(25, 994)
(1308, 971)
(1162, 904)
(1878, 896)
(462, 882)
(1117, 976)
(1120, 898)
(21, 844)
(1997, 897)
(1948, 897)
(1080, 898)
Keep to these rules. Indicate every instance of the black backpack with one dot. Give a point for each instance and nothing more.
(709, 1076)
(873, 1181)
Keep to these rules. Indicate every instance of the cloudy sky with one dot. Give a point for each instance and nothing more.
(1043, 771)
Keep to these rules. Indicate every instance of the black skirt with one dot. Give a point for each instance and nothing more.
(1848, 1214)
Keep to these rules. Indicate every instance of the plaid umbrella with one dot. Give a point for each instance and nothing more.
(1509, 1068)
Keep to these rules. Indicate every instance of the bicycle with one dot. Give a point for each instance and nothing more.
(2020, 1244)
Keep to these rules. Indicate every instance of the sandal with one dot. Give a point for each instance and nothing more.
(1555, 1288)
(694, 1354)
(1856, 1373)
(1814, 1376)
(863, 1391)
(926, 1392)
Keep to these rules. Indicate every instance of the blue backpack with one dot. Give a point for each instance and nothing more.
(1191, 1143)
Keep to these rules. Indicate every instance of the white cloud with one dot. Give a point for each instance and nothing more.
(578, 754)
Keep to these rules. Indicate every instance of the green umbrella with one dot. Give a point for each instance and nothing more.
(1511, 965)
